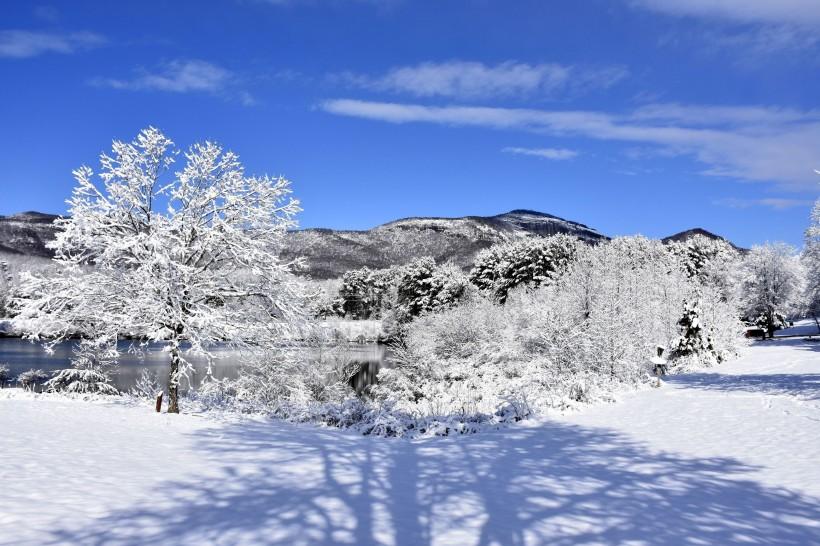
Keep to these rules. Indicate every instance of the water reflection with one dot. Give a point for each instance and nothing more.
(21, 355)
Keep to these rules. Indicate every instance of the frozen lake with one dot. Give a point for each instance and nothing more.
(21, 355)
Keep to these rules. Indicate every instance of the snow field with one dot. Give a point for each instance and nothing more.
(725, 457)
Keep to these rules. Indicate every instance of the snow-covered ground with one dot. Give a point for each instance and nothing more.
(730, 456)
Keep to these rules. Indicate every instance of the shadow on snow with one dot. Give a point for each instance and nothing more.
(561, 484)
(805, 386)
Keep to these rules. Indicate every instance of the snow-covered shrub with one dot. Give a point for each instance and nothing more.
(77, 380)
(92, 364)
(147, 386)
(32, 377)
(5, 375)
(289, 381)
(531, 262)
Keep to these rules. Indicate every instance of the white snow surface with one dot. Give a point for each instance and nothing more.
(726, 456)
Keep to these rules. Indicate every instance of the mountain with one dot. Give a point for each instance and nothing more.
(684, 236)
(329, 253)
(27, 233)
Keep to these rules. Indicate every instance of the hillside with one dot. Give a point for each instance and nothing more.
(27, 233)
(329, 253)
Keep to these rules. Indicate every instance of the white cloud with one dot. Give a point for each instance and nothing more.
(21, 44)
(555, 154)
(710, 116)
(180, 76)
(750, 143)
(777, 203)
(793, 12)
(474, 80)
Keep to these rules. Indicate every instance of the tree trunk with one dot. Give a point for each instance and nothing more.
(173, 380)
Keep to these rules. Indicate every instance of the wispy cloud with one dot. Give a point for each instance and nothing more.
(474, 80)
(797, 12)
(777, 203)
(20, 44)
(179, 76)
(749, 143)
(555, 154)
(753, 27)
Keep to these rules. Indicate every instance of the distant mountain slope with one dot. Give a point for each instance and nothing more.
(329, 253)
(27, 233)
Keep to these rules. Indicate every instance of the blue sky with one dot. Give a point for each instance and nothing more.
(632, 116)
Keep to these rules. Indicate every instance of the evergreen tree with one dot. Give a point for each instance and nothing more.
(531, 262)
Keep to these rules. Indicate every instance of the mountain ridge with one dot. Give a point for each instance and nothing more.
(329, 252)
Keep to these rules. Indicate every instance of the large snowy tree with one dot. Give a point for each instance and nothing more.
(186, 258)
(811, 261)
(771, 284)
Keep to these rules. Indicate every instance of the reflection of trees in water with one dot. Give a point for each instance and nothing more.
(21, 355)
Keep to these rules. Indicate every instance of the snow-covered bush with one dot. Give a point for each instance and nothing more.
(79, 380)
(32, 377)
(90, 372)
(5, 375)
(772, 285)
(531, 262)
(290, 381)
(147, 386)
(185, 257)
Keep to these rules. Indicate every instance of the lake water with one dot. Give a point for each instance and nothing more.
(21, 355)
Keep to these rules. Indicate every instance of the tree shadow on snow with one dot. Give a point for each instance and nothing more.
(802, 386)
(558, 484)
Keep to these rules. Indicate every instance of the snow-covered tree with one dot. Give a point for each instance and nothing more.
(5, 375)
(365, 293)
(186, 258)
(422, 286)
(772, 281)
(709, 261)
(811, 261)
(5, 290)
(531, 262)
(32, 377)
(147, 385)
(693, 339)
(90, 372)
